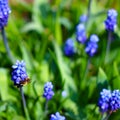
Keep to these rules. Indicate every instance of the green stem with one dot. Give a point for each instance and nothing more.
(6, 44)
(46, 107)
(106, 118)
(108, 46)
(85, 74)
(89, 8)
(88, 12)
(24, 104)
(34, 89)
(87, 69)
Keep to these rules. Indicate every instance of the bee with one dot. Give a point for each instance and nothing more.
(25, 81)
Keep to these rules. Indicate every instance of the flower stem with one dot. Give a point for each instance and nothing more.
(88, 13)
(6, 45)
(24, 104)
(106, 118)
(108, 46)
(85, 74)
(89, 8)
(46, 107)
(87, 68)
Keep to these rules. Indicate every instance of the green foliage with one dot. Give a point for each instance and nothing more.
(36, 33)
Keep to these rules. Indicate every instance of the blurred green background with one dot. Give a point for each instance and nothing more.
(36, 32)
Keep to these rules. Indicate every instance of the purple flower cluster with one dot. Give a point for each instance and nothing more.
(81, 33)
(48, 91)
(104, 99)
(19, 75)
(92, 45)
(109, 101)
(111, 21)
(4, 13)
(115, 100)
(57, 116)
(69, 48)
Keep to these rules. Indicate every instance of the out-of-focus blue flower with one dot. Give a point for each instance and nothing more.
(48, 91)
(111, 21)
(104, 100)
(57, 116)
(69, 47)
(4, 13)
(64, 93)
(81, 33)
(83, 18)
(94, 38)
(92, 46)
(19, 75)
(115, 100)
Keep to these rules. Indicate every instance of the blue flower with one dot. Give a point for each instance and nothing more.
(83, 18)
(109, 101)
(69, 47)
(111, 21)
(115, 100)
(48, 91)
(57, 116)
(94, 38)
(92, 46)
(81, 33)
(19, 75)
(4, 13)
(104, 100)
(64, 93)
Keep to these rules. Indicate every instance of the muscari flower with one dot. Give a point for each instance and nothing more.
(69, 47)
(4, 13)
(92, 46)
(115, 100)
(57, 116)
(104, 99)
(83, 18)
(109, 101)
(19, 75)
(81, 33)
(111, 21)
(48, 91)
